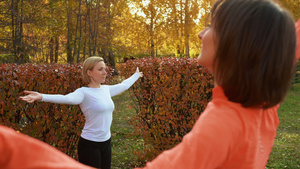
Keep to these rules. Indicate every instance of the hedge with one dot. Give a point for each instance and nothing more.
(168, 100)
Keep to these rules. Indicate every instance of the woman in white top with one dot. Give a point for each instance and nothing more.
(94, 147)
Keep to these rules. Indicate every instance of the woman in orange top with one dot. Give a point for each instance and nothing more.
(250, 50)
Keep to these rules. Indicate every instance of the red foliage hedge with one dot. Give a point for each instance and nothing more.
(169, 98)
(56, 124)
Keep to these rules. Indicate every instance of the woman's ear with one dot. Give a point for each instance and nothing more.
(89, 73)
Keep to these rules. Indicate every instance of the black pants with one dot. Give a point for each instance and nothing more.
(95, 154)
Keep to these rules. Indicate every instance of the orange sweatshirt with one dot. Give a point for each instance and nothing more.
(21, 151)
(226, 136)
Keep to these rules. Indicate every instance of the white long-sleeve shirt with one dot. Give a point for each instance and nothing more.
(96, 105)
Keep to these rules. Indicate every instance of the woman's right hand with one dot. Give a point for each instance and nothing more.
(31, 97)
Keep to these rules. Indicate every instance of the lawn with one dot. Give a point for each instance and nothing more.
(124, 141)
(285, 153)
(286, 150)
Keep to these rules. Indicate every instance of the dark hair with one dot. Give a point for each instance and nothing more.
(256, 43)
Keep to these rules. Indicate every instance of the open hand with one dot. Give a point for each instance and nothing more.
(138, 71)
(31, 97)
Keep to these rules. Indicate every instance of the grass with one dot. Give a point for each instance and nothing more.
(124, 141)
(286, 150)
(285, 153)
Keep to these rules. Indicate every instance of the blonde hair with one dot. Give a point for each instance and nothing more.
(89, 64)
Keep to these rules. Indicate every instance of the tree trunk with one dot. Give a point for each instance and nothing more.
(96, 27)
(69, 35)
(90, 28)
(78, 28)
(14, 11)
(17, 31)
(186, 29)
(80, 31)
(181, 30)
(51, 49)
(111, 57)
(85, 37)
(152, 29)
(56, 49)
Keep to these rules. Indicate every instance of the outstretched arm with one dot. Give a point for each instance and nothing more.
(21, 151)
(126, 84)
(31, 97)
(73, 98)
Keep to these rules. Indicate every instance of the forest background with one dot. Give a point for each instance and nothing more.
(68, 31)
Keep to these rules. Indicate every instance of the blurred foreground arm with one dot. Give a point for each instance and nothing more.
(21, 151)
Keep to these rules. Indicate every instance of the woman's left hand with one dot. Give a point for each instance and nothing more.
(138, 71)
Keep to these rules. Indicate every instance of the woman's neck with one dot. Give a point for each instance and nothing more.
(94, 85)
(215, 83)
